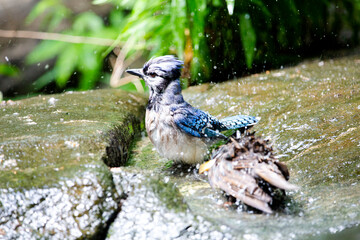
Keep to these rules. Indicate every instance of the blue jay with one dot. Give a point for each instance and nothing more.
(179, 131)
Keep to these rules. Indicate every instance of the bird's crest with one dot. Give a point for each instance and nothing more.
(168, 67)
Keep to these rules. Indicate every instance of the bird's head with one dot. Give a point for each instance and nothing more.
(159, 72)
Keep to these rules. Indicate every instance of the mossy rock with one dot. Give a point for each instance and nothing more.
(53, 179)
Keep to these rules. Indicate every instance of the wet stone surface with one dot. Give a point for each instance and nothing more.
(155, 209)
(145, 213)
(311, 113)
(53, 181)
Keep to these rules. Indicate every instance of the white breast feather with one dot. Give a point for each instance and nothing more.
(172, 143)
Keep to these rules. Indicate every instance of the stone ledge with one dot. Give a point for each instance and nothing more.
(53, 182)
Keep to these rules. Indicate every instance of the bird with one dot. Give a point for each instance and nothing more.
(248, 170)
(179, 131)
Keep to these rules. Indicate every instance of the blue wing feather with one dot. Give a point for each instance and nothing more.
(197, 123)
(183, 126)
(201, 124)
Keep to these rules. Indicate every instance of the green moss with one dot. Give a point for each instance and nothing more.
(169, 194)
(144, 157)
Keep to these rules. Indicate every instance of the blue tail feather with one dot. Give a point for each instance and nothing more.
(238, 121)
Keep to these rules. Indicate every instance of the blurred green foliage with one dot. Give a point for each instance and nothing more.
(84, 60)
(217, 39)
(8, 70)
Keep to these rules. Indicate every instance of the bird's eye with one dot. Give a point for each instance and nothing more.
(153, 75)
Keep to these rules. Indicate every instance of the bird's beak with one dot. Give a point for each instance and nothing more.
(136, 72)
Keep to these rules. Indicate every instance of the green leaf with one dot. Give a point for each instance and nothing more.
(217, 3)
(44, 80)
(66, 64)
(179, 22)
(89, 57)
(98, 2)
(57, 17)
(117, 19)
(248, 38)
(87, 22)
(90, 65)
(45, 50)
(263, 7)
(127, 4)
(40, 8)
(198, 11)
(8, 70)
(88, 79)
(54, 10)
